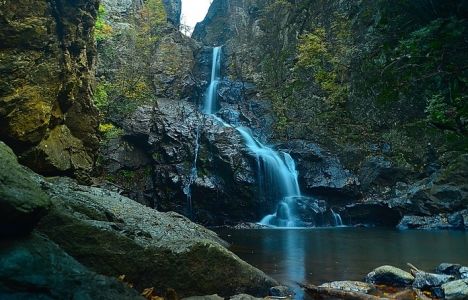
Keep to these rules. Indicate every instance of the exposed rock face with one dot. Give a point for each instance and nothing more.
(47, 58)
(224, 189)
(173, 10)
(36, 268)
(22, 202)
(152, 249)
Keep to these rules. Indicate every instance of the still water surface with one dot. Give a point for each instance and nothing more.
(328, 254)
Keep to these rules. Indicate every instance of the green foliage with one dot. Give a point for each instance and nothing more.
(101, 98)
(109, 131)
(102, 29)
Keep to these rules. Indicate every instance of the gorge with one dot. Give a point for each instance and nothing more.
(285, 142)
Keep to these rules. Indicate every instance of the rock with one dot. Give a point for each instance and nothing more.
(224, 189)
(351, 286)
(281, 291)
(448, 269)
(172, 64)
(173, 10)
(424, 281)
(456, 290)
(112, 235)
(376, 213)
(378, 170)
(244, 297)
(36, 268)
(463, 272)
(440, 221)
(49, 64)
(207, 297)
(389, 275)
(22, 202)
(322, 172)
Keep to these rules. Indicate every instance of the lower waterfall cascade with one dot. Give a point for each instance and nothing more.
(278, 177)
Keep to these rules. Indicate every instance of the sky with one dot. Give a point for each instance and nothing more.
(194, 11)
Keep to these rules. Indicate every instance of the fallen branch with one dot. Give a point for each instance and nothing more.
(320, 292)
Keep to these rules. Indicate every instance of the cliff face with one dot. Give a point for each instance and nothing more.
(47, 56)
(342, 75)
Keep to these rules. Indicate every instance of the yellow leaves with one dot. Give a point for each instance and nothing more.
(149, 294)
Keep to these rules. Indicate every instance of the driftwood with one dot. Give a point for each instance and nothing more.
(320, 292)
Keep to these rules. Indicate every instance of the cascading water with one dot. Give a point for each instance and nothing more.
(336, 219)
(277, 171)
(209, 106)
(193, 174)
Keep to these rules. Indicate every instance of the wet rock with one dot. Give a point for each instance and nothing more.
(22, 202)
(351, 286)
(322, 172)
(426, 281)
(112, 234)
(223, 189)
(36, 268)
(440, 221)
(207, 297)
(244, 297)
(48, 88)
(389, 275)
(281, 291)
(376, 170)
(456, 290)
(448, 269)
(376, 213)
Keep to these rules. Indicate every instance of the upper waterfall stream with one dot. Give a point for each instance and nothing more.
(277, 170)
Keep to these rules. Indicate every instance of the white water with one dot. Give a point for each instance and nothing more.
(277, 171)
(193, 174)
(210, 104)
(336, 218)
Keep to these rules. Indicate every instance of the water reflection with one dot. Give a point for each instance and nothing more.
(320, 255)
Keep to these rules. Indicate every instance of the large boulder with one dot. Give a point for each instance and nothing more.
(456, 290)
(22, 202)
(49, 66)
(390, 275)
(36, 268)
(114, 235)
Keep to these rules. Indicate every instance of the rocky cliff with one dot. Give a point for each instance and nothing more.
(47, 58)
(354, 140)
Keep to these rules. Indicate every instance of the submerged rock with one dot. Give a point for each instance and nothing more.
(114, 235)
(390, 275)
(22, 202)
(36, 268)
(456, 290)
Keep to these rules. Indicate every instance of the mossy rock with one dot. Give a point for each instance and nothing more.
(22, 202)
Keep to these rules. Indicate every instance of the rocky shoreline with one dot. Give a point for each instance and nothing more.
(449, 281)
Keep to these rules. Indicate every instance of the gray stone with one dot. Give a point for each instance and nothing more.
(448, 269)
(22, 202)
(351, 286)
(244, 297)
(281, 291)
(36, 268)
(425, 280)
(112, 234)
(389, 275)
(456, 290)
(207, 297)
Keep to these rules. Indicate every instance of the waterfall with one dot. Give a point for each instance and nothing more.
(277, 171)
(209, 106)
(193, 174)
(336, 219)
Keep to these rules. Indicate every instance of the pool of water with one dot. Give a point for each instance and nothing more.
(327, 254)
